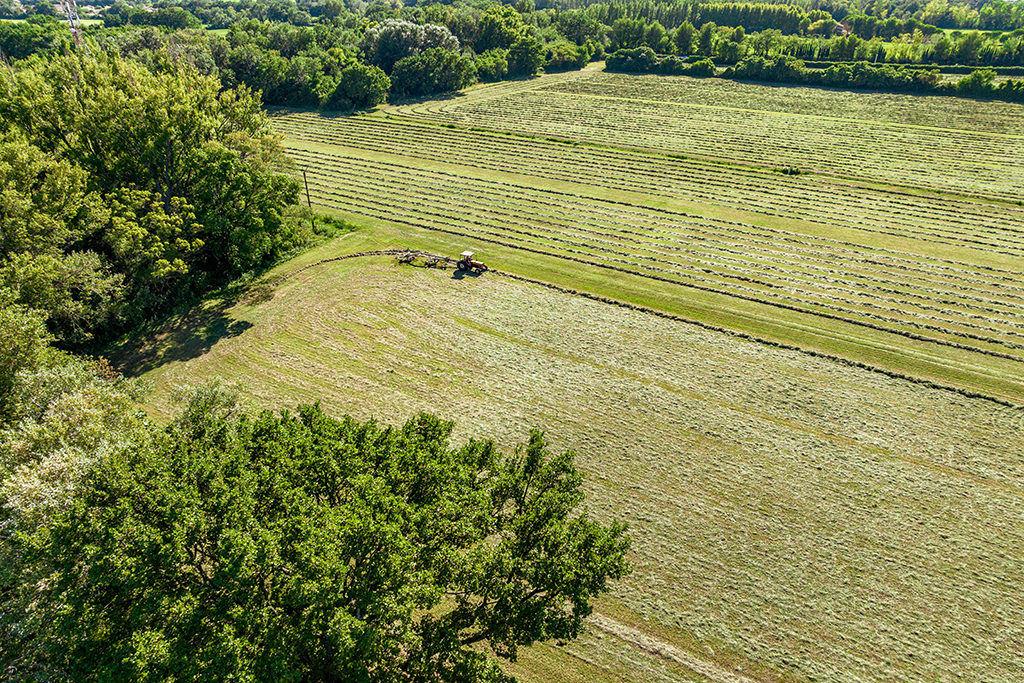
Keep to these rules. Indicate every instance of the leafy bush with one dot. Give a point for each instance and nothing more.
(565, 56)
(492, 65)
(979, 82)
(359, 85)
(435, 70)
(705, 68)
(640, 60)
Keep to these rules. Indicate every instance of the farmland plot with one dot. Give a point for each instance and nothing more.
(793, 518)
(936, 278)
(949, 220)
(928, 142)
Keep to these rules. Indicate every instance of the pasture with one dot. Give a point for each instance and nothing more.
(799, 390)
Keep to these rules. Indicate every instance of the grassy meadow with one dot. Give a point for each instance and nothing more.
(814, 508)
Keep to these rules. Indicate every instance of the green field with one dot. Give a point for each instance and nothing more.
(911, 280)
(795, 518)
(896, 139)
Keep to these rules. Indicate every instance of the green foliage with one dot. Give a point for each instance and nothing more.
(307, 548)
(684, 37)
(525, 57)
(46, 213)
(627, 34)
(500, 26)
(705, 68)
(979, 82)
(23, 39)
(565, 56)
(45, 206)
(857, 75)
(359, 85)
(578, 28)
(435, 70)
(706, 39)
(492, 65)
(171, 17)
(128, 191)
(77, 290)
(26, 342)
(644, 60)
(638, 60)
(393, 40)
(63, 417)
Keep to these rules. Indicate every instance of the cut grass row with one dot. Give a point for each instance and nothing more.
(980, 311)
(967, 161)
(899, 109)
(944, 221)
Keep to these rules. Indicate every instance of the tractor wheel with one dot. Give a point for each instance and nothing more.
(460, 265)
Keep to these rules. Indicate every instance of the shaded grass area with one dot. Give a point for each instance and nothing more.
(794, 519)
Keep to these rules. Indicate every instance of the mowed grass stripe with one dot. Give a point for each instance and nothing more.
(901, 215)
(416, 209)
(931, 162)
(952, 115)
(891, 126)
(915, 158)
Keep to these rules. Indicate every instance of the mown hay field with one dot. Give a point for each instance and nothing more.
(941, 143)
(914, 281)
(764, 407)
(794, 519)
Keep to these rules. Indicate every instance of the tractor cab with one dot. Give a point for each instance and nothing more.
(466, 262)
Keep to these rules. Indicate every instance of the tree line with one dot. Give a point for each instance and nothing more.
(883, 18)
(326, 55)
(730, 44)
(980, 83)
(340, 61)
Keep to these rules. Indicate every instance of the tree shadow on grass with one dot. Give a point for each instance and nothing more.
(183, 337)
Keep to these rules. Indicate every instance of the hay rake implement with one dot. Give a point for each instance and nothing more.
(465, 261)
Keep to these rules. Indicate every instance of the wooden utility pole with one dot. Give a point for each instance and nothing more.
(312, 218)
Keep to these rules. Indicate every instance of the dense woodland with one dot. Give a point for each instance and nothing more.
(343, 56)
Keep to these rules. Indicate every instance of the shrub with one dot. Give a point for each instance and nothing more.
(433, 71)
(492, 65)
(705, 68)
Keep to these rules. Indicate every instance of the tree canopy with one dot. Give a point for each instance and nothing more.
(124, 191)
(300, 547)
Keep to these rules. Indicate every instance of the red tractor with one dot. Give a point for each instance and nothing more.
(467, 263)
